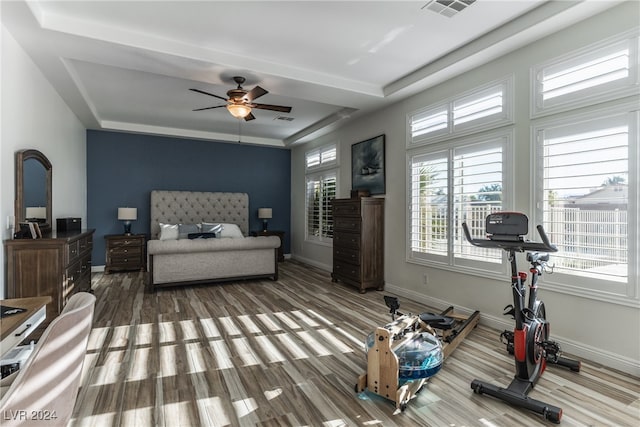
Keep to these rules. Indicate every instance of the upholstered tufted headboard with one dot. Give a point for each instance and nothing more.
(192, 207)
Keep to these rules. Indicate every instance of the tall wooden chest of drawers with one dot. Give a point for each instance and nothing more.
(58, 265)
(125, 252)
(358, 242)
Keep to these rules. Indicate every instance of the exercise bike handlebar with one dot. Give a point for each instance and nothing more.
(517, 243)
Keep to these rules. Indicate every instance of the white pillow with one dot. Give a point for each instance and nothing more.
(231, 230)
(168, 231)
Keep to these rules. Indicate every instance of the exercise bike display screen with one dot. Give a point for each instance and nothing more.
(507, 224)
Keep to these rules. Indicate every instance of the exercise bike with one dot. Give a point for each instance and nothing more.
(529, 342)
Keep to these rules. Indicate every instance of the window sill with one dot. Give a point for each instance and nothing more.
(561, 288)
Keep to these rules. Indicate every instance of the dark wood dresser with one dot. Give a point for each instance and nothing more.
(58, 265)
(358, 242)
(125, 252)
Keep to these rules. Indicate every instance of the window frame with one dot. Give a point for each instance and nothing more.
(321, 172)
(453, 130)
(590, 287)
(452, 260)
(612, 90)
(322, 165)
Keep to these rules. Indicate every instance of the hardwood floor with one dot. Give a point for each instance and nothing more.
(288, 353)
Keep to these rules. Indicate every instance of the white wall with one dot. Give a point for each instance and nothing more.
(599, 331)
(34, 116)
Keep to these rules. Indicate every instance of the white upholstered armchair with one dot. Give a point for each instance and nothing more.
(43, 392)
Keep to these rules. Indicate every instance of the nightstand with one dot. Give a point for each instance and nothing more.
(280, 234)
(125, 252)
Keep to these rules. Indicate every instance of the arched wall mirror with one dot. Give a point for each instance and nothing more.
(33, 189)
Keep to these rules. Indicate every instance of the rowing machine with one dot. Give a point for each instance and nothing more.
(404, 354)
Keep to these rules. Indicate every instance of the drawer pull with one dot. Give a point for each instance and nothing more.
(26, 328)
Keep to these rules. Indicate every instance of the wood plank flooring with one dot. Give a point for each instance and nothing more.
(288, 353)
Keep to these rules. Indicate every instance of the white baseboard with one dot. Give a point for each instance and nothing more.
(319, 265)
(580, 350)
(97, 268)
(426, 300)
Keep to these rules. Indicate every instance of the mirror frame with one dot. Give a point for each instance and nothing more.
(20, 214)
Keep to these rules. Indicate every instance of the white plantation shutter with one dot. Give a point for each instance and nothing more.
(429, 204)
(486, 103)
(321, 165)
(584, 187)
(478, 191)
(322, 157)
(321, 189)
(329, 156)
(313, 159)
(597, 74)
(480, 109)
(586, 166)
(314, 208)
(430, 123)
(463, 183)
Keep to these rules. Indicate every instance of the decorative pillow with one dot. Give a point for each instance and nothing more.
(185, 229)
(231, 230)
(201, 235)
(207, 227)
(168, 231)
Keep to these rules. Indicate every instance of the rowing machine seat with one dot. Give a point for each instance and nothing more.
(437, 321)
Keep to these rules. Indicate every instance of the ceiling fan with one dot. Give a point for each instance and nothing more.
(240, 101)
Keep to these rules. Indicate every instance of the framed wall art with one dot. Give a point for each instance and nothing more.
(367, 165)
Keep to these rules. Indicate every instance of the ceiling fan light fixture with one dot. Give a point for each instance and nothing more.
(239, 111)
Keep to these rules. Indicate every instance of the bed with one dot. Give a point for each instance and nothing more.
(195, 257)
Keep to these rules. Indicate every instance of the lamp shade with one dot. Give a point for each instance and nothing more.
(127, 214)
(265, 213)
(36, 212)
(239, 111)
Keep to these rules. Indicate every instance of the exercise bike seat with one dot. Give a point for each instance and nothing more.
(437, 321)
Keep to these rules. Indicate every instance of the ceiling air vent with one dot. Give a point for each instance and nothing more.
(448, 7)
(285, 118)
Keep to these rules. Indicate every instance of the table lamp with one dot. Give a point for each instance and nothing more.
(265, 214)
(127, 215)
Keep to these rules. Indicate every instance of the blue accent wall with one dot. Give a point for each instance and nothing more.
(123, 169)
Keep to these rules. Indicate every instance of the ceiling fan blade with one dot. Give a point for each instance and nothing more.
(209, 108)
(280, 108)
(248, 117)
(207, 93)
(254, 93)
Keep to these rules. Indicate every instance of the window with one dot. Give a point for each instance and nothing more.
(586, 167)
(429, 123)
(587, 199)
(463, 182)
(322, 157)
(321, 189)
(321, 185)
(598, 73)
(483, 108)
